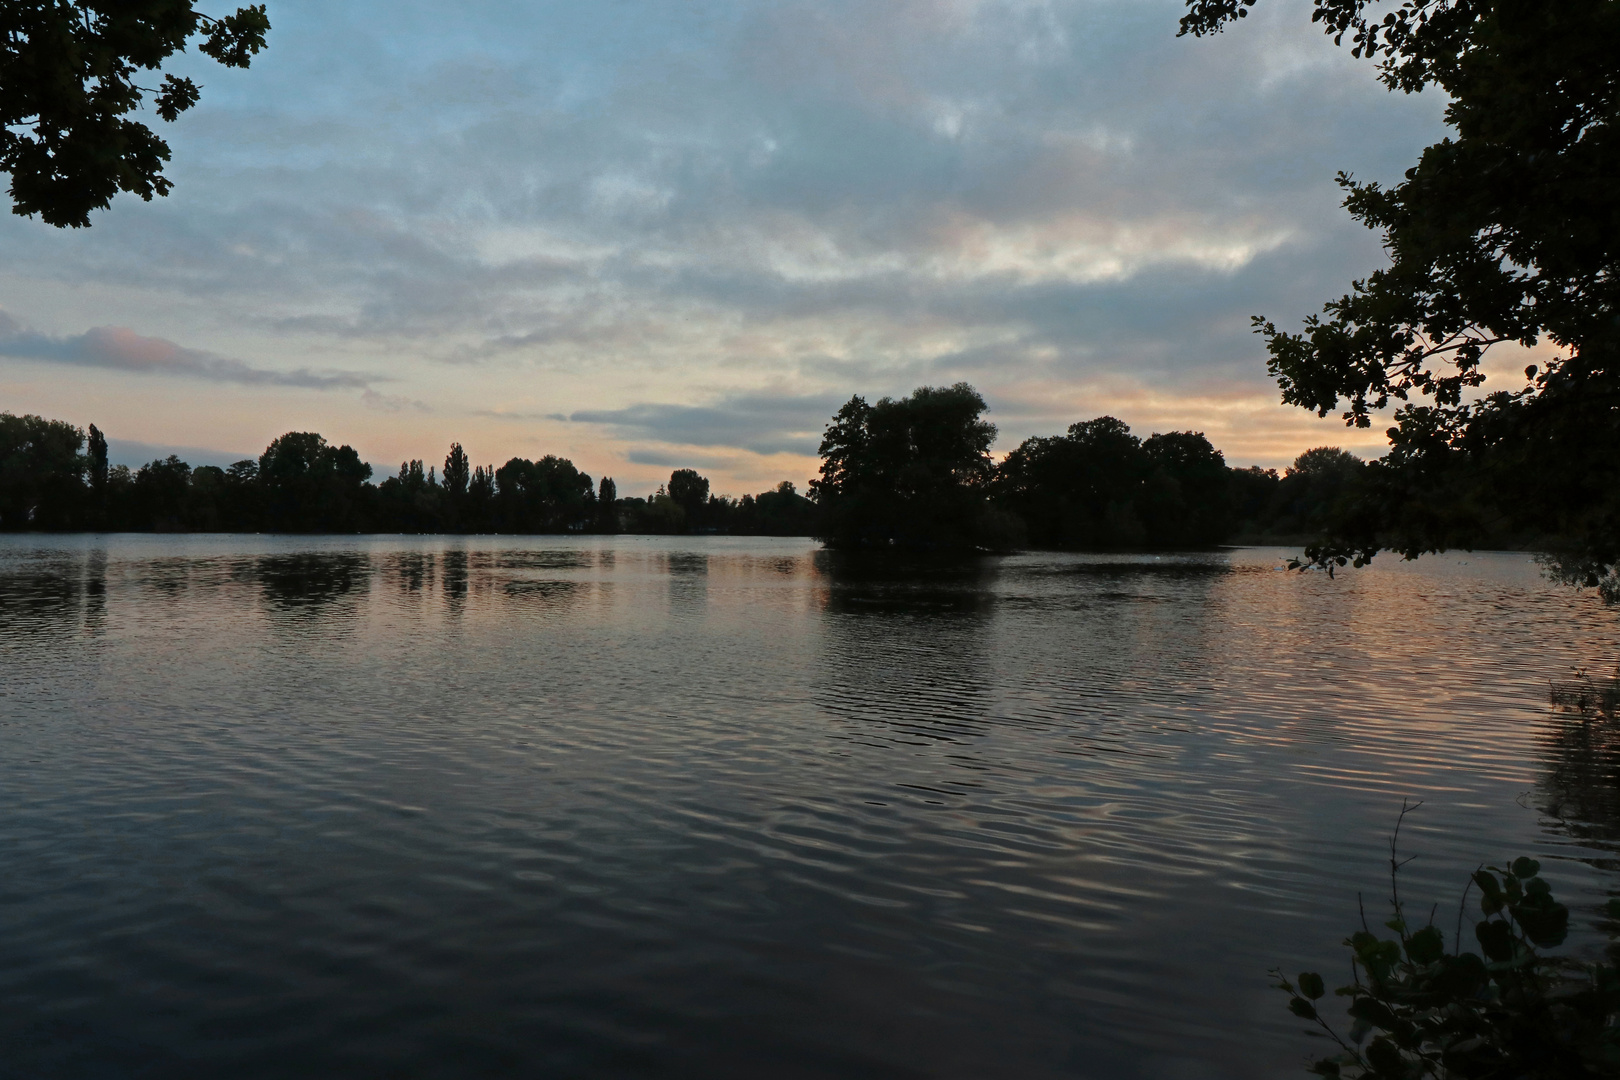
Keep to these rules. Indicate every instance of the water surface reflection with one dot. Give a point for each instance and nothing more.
(722, 807)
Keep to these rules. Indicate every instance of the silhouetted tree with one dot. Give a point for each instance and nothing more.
(691, 493)
(545, 496)
(607, 506)
(1250, 495)
(1099, 487)
(1505, 231)
(657, 515)
(205, 501)
(457, 475)
(1079, 490)
(456, 472)
(41, 473)
(782, 512)
(1186, 503)
(412, 501)
(241, 501)
(481, 498)
(310, 486)
(1314, 494)
(70, 81)
(96, 459)
(160, 496)
(910, 474)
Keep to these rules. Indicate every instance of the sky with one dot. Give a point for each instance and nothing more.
(680, 233)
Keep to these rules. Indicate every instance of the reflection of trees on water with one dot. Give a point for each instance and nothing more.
(1580, 787)
(313, 586)
(905, 589)
(64, 595)
(1140, 628)
(95, 591)
(688, 574)
(904, 657)
(1105, 654)
(545, 596)
(411, 571)
(544, 559)
(455, 580)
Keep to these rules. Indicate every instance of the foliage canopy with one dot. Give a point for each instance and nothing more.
(1101, 487)
(68, 90)
(911, 473)
(1507, 231)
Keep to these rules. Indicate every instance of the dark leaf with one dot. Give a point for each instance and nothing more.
(1496, 938)
(1426, 946)
(1525, 867)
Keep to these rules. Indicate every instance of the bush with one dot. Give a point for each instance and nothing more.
(1512, 1012)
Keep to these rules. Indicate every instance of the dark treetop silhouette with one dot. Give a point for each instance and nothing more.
(1506, 232)
(68, 74)
(1099, 486)
(52, 477)
(913, 474)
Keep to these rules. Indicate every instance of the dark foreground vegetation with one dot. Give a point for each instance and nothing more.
(1418, 1009)
(913, 474)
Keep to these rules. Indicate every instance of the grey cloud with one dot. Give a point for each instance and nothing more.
(119, 349)
(760, 423)
(393, 403)
(762, 166)
(869, 174)
(643, 455)
(522, 417)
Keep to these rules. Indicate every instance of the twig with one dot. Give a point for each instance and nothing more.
(1395, 865)
(1461, 905)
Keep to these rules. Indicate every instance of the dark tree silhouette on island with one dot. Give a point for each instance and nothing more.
(690, 492)
(1099, 487)
(912, 474)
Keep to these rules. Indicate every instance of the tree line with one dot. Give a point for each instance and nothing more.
(56, 477)
(913, 474)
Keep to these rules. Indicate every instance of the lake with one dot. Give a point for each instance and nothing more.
(730, 807)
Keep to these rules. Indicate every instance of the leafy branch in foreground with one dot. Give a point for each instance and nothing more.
(68, 86)
(1512, 1012)
(1502, 234)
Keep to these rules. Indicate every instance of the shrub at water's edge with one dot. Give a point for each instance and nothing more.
(1418, 1010)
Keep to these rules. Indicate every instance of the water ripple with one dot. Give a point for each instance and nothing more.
(728, 807)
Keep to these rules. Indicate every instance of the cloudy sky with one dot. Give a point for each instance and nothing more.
(654, 233)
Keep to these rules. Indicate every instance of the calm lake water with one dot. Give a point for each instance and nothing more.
(714, 807)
